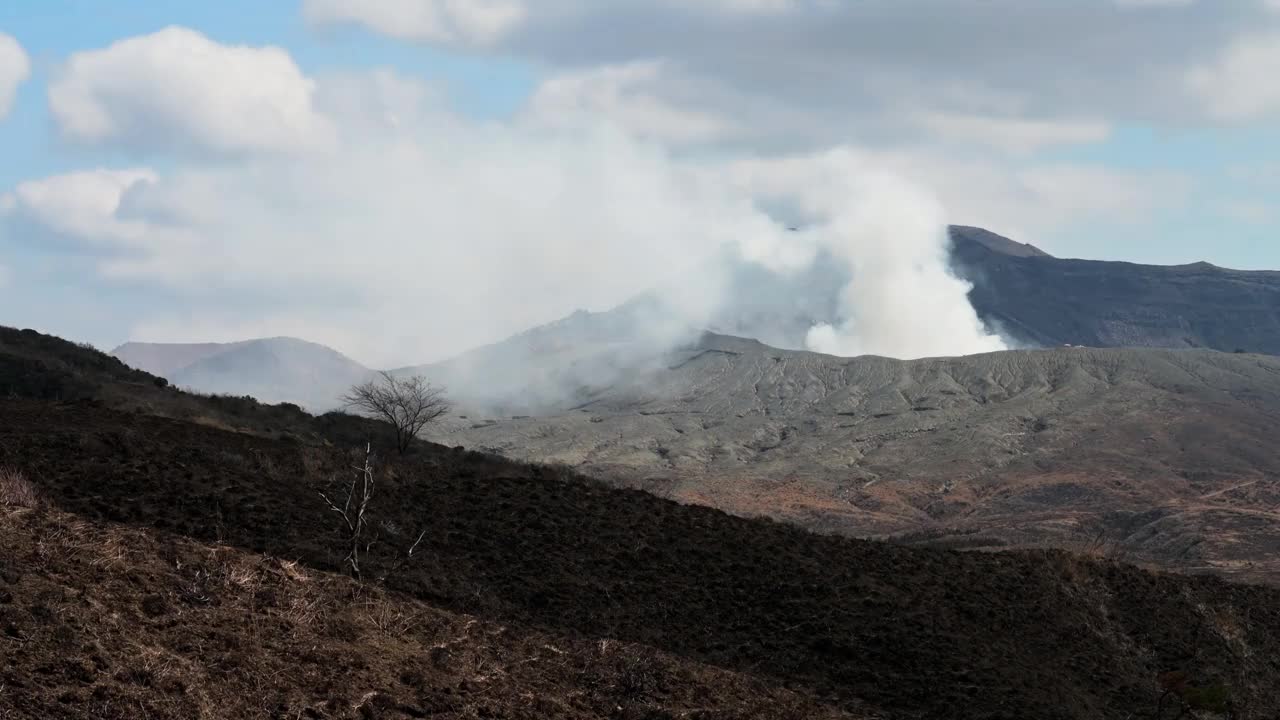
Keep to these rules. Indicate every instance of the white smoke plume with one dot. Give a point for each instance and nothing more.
(889, 239)
(418, 235)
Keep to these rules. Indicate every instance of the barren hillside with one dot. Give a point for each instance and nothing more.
(167, 568)
(1167, 455)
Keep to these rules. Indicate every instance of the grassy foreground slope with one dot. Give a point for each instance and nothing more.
(175, 569)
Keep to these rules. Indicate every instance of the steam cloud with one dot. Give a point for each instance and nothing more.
(417, 235)
(889, 240)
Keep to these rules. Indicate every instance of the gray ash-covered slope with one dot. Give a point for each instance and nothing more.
(278, 369)
(1170, 455)
(1043, 300)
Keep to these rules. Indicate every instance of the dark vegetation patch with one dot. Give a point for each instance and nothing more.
(144, 585)
(910, 632)
(44, 367)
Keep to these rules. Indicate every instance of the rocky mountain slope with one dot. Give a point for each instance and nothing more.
(1047, 301)
(1169, 456)
(271, 369)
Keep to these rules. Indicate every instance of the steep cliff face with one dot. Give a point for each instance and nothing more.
(1038, 299)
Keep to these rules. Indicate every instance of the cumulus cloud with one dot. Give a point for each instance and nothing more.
(1015, 135)
(363, 103)
(861, 68)
(1240, 85)
(1037, 202)
(81, 206)
(417, 233)
(459, 233)
(475, 231)
(628, 96)
(478, 22)
(15, 68)
(178, 90)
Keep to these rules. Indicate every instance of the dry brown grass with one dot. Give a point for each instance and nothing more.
(16, 490)
(179, 629)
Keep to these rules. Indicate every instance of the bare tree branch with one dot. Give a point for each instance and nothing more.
(360, 492)
(407, 403)
(360, 529)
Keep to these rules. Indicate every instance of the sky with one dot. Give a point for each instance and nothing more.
(404, 179)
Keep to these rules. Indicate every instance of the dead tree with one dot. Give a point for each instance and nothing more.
(407, 403)
(354, 511)
(355, 508)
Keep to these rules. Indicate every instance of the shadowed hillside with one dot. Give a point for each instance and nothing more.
(699, 599)
(1048, 301)
(35, 365)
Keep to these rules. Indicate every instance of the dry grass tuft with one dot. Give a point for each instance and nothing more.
(16, 490)
(293, 570)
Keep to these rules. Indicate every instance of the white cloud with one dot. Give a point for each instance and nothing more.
(811, 73)
(1054, 59)
(15, 68)
(1015, 135)
(82, 206)
(363, 103)
(477, 231)
(1031, 202)
(628, 96)
(467, 22)
(1240, 85)
(1034, 202)
(176, 89)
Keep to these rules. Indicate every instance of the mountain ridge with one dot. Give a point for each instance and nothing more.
(1158, 450)
(1042, 300)
(275, 369)
(1018, 290)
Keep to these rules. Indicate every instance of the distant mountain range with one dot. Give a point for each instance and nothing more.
(1029, 296)
(1041, 300)
(280, 369)
(1151, 437)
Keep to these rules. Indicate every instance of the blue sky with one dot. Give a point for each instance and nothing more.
(51, 30)
(1159, 146)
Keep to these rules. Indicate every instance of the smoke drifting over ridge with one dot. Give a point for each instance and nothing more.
(416, 235)
(889, 238)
